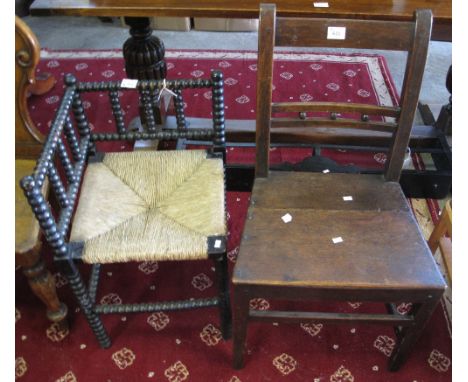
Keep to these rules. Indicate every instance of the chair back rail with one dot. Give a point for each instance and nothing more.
(70, 142)
(410, 36)
(280, 107)
(333, 122)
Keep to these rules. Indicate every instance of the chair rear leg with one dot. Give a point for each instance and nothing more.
(410, 335)
(79, 289)
(223, 295)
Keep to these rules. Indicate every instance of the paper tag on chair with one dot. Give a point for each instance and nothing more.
(337, 240)
(321, 5)
(129, 83)
(286, 218)
(164, 91)
(336, 33)
(165, 100)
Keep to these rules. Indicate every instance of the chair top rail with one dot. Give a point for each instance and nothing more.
(178, 84)
(159, 135)
(360, 34)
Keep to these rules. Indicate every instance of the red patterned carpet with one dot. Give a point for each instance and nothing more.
(187, 346)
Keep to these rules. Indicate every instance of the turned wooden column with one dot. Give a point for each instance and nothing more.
(144, 58)
(42, 284)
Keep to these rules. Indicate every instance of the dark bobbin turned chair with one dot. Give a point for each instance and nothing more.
(133, 206)
(349, 237)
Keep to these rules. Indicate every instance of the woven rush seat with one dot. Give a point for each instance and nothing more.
(169, 203)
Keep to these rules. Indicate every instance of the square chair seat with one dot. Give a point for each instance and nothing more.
(382, 246)
(150, 206)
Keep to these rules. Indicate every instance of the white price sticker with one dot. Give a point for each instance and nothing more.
(347, 198)
(286, 218)
(129, 83)
(321, 5)
(336, 33)
(326, 171)
(337, 240)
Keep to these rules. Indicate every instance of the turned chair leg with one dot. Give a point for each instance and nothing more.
(43, 285)
(86, 304)
(224, 299)
(422, 313)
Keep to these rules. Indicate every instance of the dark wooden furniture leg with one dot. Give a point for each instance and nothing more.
(224, 300)
(241, 318)
(144, 57)
(84, 299)
(444, 120)
(43, 285)
(143, 52)
(422, 313)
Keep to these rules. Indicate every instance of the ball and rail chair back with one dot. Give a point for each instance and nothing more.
(336, 236)
(28, 145)
(132, 206)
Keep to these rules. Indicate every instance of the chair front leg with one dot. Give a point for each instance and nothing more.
(81, 293)
(223, 294)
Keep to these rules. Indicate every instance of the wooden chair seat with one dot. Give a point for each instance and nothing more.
(382, 247)
(170, 203)
(285, 189)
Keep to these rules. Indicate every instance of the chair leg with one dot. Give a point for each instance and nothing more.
(241, 318)
(43, 286)
(79, 289)
(410, 335)
(223, 294)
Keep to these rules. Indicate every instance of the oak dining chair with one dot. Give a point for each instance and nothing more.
(329, 236)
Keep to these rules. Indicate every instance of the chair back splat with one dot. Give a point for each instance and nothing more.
(137, 205)
(410, 36)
